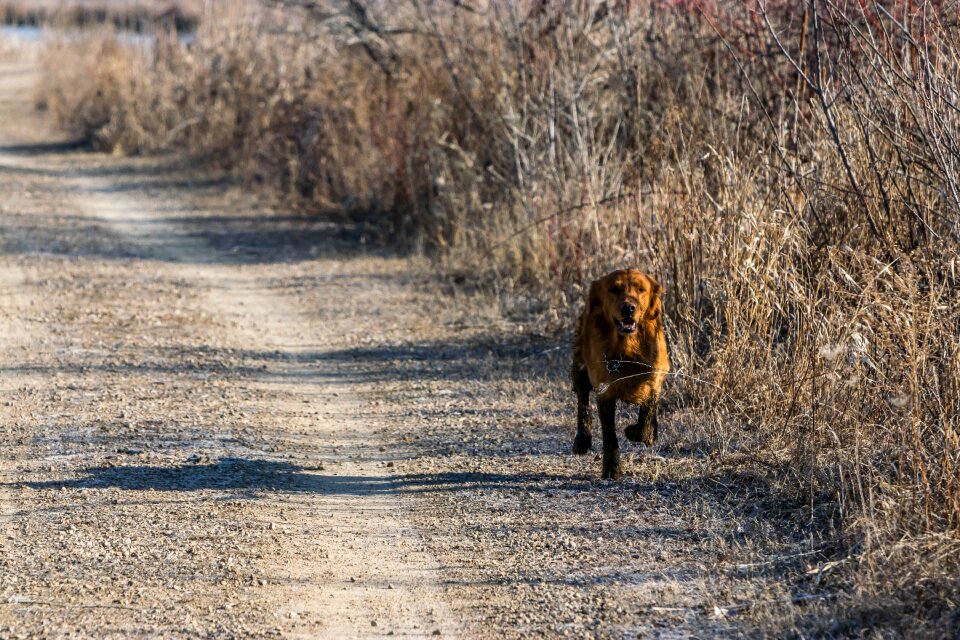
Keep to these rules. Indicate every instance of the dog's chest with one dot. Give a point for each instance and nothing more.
(625, 367)
(626, 379)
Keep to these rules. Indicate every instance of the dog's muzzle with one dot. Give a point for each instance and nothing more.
(626, 326)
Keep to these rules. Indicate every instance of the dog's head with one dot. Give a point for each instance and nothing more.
(626, 299)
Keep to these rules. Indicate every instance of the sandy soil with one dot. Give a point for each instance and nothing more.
(222, 419)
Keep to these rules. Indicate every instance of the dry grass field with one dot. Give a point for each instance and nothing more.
(790, 172)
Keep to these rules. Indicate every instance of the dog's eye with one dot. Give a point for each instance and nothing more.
(616, 290)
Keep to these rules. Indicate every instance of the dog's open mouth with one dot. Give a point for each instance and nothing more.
(626, 326)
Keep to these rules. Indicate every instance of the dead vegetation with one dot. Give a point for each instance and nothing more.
(790, 176)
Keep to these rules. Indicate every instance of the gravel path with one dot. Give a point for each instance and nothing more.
(179, 459)
(222, 419)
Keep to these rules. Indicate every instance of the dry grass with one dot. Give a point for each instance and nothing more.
(790, 176)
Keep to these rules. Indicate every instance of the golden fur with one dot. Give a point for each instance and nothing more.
(620, 350)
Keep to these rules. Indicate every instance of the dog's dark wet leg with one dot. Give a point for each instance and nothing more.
(611, 448)
(656, 423)
(646, 427)
(584, 437)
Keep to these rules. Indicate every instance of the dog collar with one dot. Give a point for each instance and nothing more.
(613, 366)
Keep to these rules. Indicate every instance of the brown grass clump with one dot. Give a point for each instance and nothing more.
(791, 177)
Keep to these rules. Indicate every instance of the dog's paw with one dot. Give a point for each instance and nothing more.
(633, 432)
(611, 467)
(582, 443)
(640, 433)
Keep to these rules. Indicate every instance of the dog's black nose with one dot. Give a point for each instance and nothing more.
(628, 309)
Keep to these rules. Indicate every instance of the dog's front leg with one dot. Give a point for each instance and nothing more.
(584, 437)
(611, 449)
(645, 430)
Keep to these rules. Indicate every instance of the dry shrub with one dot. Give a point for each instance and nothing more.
(790, 176)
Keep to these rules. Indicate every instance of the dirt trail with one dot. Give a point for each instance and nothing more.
(328, 552)
(369, 551)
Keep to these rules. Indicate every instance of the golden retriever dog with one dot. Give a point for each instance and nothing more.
(619, 349)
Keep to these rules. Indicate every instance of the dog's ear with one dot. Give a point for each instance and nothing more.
(594, 298)
(656, 308)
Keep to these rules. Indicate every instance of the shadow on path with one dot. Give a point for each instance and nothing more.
(41, 148)
(477, 357)
(269, 475)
